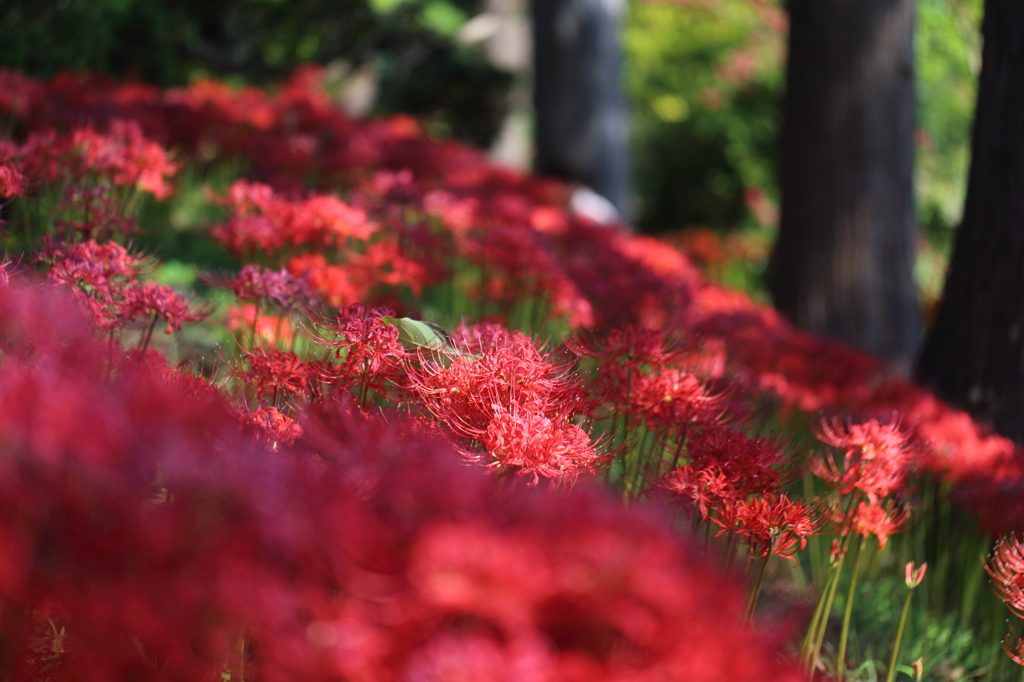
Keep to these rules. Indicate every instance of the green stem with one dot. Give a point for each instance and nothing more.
(255, 326)
(819, 636)
(149, 334)
(844, 635)
(732, 542)
(812, 630)
(755, 591)
(364, 385)
(891, 674)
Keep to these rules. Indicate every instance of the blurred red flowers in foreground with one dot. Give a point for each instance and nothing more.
(145, 535)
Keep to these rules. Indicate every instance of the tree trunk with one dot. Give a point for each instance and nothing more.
(582, 130)
(843, 262)
(974, 355)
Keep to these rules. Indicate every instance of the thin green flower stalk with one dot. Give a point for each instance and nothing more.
(816, 633)
(755, 591)
(845, 634)
(811, 638)
(913, 579)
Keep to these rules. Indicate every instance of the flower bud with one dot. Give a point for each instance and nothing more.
(914, 577)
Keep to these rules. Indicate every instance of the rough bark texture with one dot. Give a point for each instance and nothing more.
(843, 262)
(582, 129)
(974, 354)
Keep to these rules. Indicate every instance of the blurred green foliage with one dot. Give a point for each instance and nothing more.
(948, 62)
(407, 44)
(706, 78)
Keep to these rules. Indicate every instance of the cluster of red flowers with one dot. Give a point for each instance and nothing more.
(736, 482)
(391, 167)
(106, 278)
(506, 396)
(876, 463)
(1006, 567)
(146, 537)
(86, 168)
(662, 363)
(369, 355)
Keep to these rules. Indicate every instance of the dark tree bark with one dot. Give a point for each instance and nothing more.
(582, 129)
(974, 355)
(843, 262)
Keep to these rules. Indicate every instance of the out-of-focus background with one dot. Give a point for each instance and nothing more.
(704, 80)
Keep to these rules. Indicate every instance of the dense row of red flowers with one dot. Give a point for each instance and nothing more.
(412, 204)
(147, 535)
(430, 571)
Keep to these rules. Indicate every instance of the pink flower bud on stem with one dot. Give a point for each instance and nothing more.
(913, 579)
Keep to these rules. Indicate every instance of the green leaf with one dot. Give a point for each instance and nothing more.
(419, 334)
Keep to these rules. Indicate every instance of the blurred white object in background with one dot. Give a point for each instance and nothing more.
(589, 204)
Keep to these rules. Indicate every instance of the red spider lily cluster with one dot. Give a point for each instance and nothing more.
(307, 473)
(1006, 567)
(106, 278)
(877, 460)
(146, 535)
(514, 402)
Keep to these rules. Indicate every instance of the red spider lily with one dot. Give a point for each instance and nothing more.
(98, 274)
(256, 283)
(90, 264)
(1013, 645)
(458, 213)
(125, 156)
(727, 469)
(709, 487)
(771, 524)
(147, 300)
(878, 457)
(1006, 567)
(383, 263)
(274, 426)
(92, 212)
(516, 264)
(168, 548)
(870, 440)
(19, 94)
(499, 368)
(104, 277)
(878, 520)
(638, 375)
(326, 220)
(512, 400)
(531, 373)
(278, 373)
(755, 465)
(265, 221)
(386, 263)
(367, 349)
(485, 337)
(339, 285)
(122, 156)
(12, 181)
(626, 353)
(672, 400)
(523, 441)
(270, 330)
